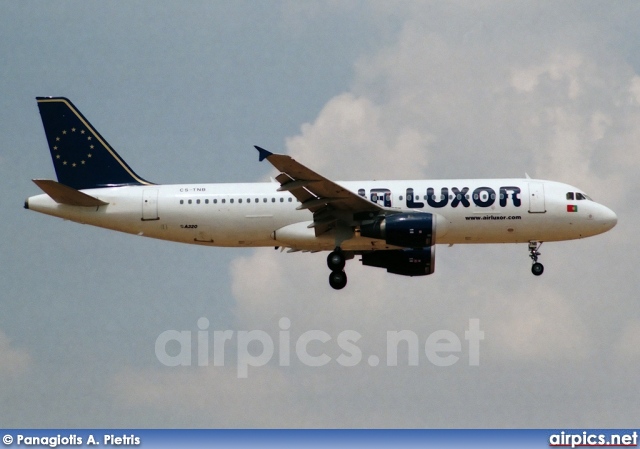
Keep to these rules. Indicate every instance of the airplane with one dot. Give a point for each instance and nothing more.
(394, 224)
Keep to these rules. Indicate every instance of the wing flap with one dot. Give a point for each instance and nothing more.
(62, 194)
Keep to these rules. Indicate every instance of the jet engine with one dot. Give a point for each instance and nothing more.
(411, 230)
(407, 262)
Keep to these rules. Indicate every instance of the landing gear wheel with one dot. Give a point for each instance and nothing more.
(537, 268)
(336, 261)
(338, 279)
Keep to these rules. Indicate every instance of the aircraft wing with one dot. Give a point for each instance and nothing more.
(327, 200)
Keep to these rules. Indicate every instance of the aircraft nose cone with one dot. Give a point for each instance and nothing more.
(609, 218)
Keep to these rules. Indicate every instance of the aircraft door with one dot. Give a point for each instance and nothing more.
(536, 198)
(150, 204)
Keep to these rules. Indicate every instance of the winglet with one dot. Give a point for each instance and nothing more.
(263, 153)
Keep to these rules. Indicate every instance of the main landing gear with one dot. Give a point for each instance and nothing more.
(537, 268)
(336, 262)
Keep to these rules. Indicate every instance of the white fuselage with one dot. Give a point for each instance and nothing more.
(256, 214)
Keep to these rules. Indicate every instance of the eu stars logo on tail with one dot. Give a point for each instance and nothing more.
(81, 157)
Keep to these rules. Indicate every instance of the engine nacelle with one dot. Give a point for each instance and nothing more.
(411, 230)
(407, 262)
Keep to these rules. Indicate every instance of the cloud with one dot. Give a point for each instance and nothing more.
(352, 129)
(430, 105)
(575, 115)
(558, 68)
(14, 362)
(544, 326)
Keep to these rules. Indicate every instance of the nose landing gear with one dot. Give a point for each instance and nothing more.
(336, 262)
(537, 268)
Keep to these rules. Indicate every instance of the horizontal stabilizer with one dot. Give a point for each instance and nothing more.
(62, 194)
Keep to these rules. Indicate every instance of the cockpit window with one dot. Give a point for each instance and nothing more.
(578, 196)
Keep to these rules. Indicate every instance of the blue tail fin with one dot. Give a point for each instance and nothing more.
(81, 156)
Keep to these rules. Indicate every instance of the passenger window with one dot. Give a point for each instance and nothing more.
(570, 196)
(273, 200)
(231, 200)
(197, 201)
(181, 201)
(290, 199)
(400, 197)
(206, 201)
(189, 201)
(264, 200)
(215, 201)
(224, 200)
(282, 200)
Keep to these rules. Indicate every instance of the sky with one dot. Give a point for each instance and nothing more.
(354, 90)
